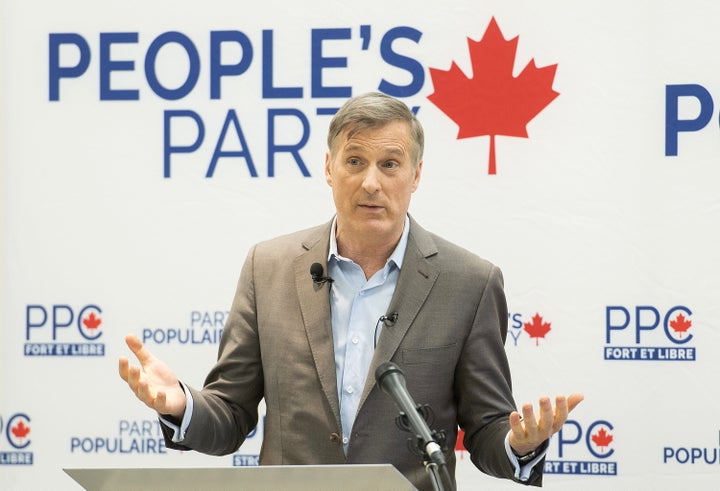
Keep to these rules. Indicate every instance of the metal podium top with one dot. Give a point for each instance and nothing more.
(382, 477)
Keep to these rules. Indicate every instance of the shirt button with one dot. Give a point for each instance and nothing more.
(345, 440)
(356, 340)
(349, 389)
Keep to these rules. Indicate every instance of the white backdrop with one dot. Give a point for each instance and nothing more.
(603, 235)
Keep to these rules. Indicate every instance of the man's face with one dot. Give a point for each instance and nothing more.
(372, 178)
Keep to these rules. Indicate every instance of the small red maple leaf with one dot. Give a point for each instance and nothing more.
(680, 324)
(602, 438)
(537, 328)
(91, 321)
(493, 102)
(459, 445)
(20, 430)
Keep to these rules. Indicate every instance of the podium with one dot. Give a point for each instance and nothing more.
(370, 477)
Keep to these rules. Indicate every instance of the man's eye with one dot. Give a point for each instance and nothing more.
(354, 161)
(390, 165)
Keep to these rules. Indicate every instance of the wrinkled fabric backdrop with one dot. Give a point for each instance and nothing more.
(147, 146)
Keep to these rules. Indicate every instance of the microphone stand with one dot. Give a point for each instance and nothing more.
(431, 466)
(432, 470)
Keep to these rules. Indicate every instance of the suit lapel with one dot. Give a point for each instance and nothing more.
(315, 308)
(415, 282)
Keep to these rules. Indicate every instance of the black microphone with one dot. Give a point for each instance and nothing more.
(389, 320)
(392, 380)
(316, 271)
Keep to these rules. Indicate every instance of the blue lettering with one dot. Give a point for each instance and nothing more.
(609, 327)
(243, 152)
(274, 148)
(107, 66)
(406, 63)
(193, 71)
(217, 69)
(29, 324)
(268, 90)
(55, 71)
(168, 148)
(320, 62)
(673, 124)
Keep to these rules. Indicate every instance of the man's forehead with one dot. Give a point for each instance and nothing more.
(393, 138)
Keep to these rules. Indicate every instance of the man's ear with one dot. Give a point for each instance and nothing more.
(328, 173)
(418, 173)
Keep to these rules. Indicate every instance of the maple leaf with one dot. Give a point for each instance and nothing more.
(20, 430)
(493, 102)
(92, 322)
(459, 445)
(537, 328)
(602, 439)
(680, 324)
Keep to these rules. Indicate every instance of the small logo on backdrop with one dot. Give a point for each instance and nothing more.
(492, 101)
(583, 449)
(648, 333)
(535, 329)
(63, 330)
(16, 434)
(580, 450)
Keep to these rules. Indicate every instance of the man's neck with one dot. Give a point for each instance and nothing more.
(370, 254)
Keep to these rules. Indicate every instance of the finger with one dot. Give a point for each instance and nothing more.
(529, 420)
(133, 378)
(143, 354)
(545, 425)
(516, 425)
(123, 365)
(574, 400)
(561, 413)
(546, 409)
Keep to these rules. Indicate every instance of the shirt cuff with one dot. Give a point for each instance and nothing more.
(522, 472)
(179, 431)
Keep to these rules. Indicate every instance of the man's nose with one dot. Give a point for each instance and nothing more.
(371, 180)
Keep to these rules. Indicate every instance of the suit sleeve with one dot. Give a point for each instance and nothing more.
(225, 410)
(484, 387)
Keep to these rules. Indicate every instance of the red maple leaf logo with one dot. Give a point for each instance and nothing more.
(20, 430)
(91, 321)
(680, 324)
(493, 102)
(602, 439)
(459, 445)
(537, 328)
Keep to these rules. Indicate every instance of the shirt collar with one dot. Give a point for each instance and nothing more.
(397, 255)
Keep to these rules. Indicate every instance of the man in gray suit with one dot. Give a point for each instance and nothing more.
(308, 343)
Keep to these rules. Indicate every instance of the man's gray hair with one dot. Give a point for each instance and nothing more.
(373, 110)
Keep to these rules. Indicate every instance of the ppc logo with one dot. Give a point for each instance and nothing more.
(537, 328)
(46, 326)
(597, 440)
(492, 101)
(16, 432)
(642, 322)
(673, 124)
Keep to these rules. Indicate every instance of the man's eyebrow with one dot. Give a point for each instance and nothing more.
(391, 149)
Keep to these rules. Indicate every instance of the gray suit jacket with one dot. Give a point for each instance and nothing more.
(277, 344)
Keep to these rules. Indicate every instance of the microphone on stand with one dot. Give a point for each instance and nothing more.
(392, 380)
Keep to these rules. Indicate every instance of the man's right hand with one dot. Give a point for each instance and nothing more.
(153, 382)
